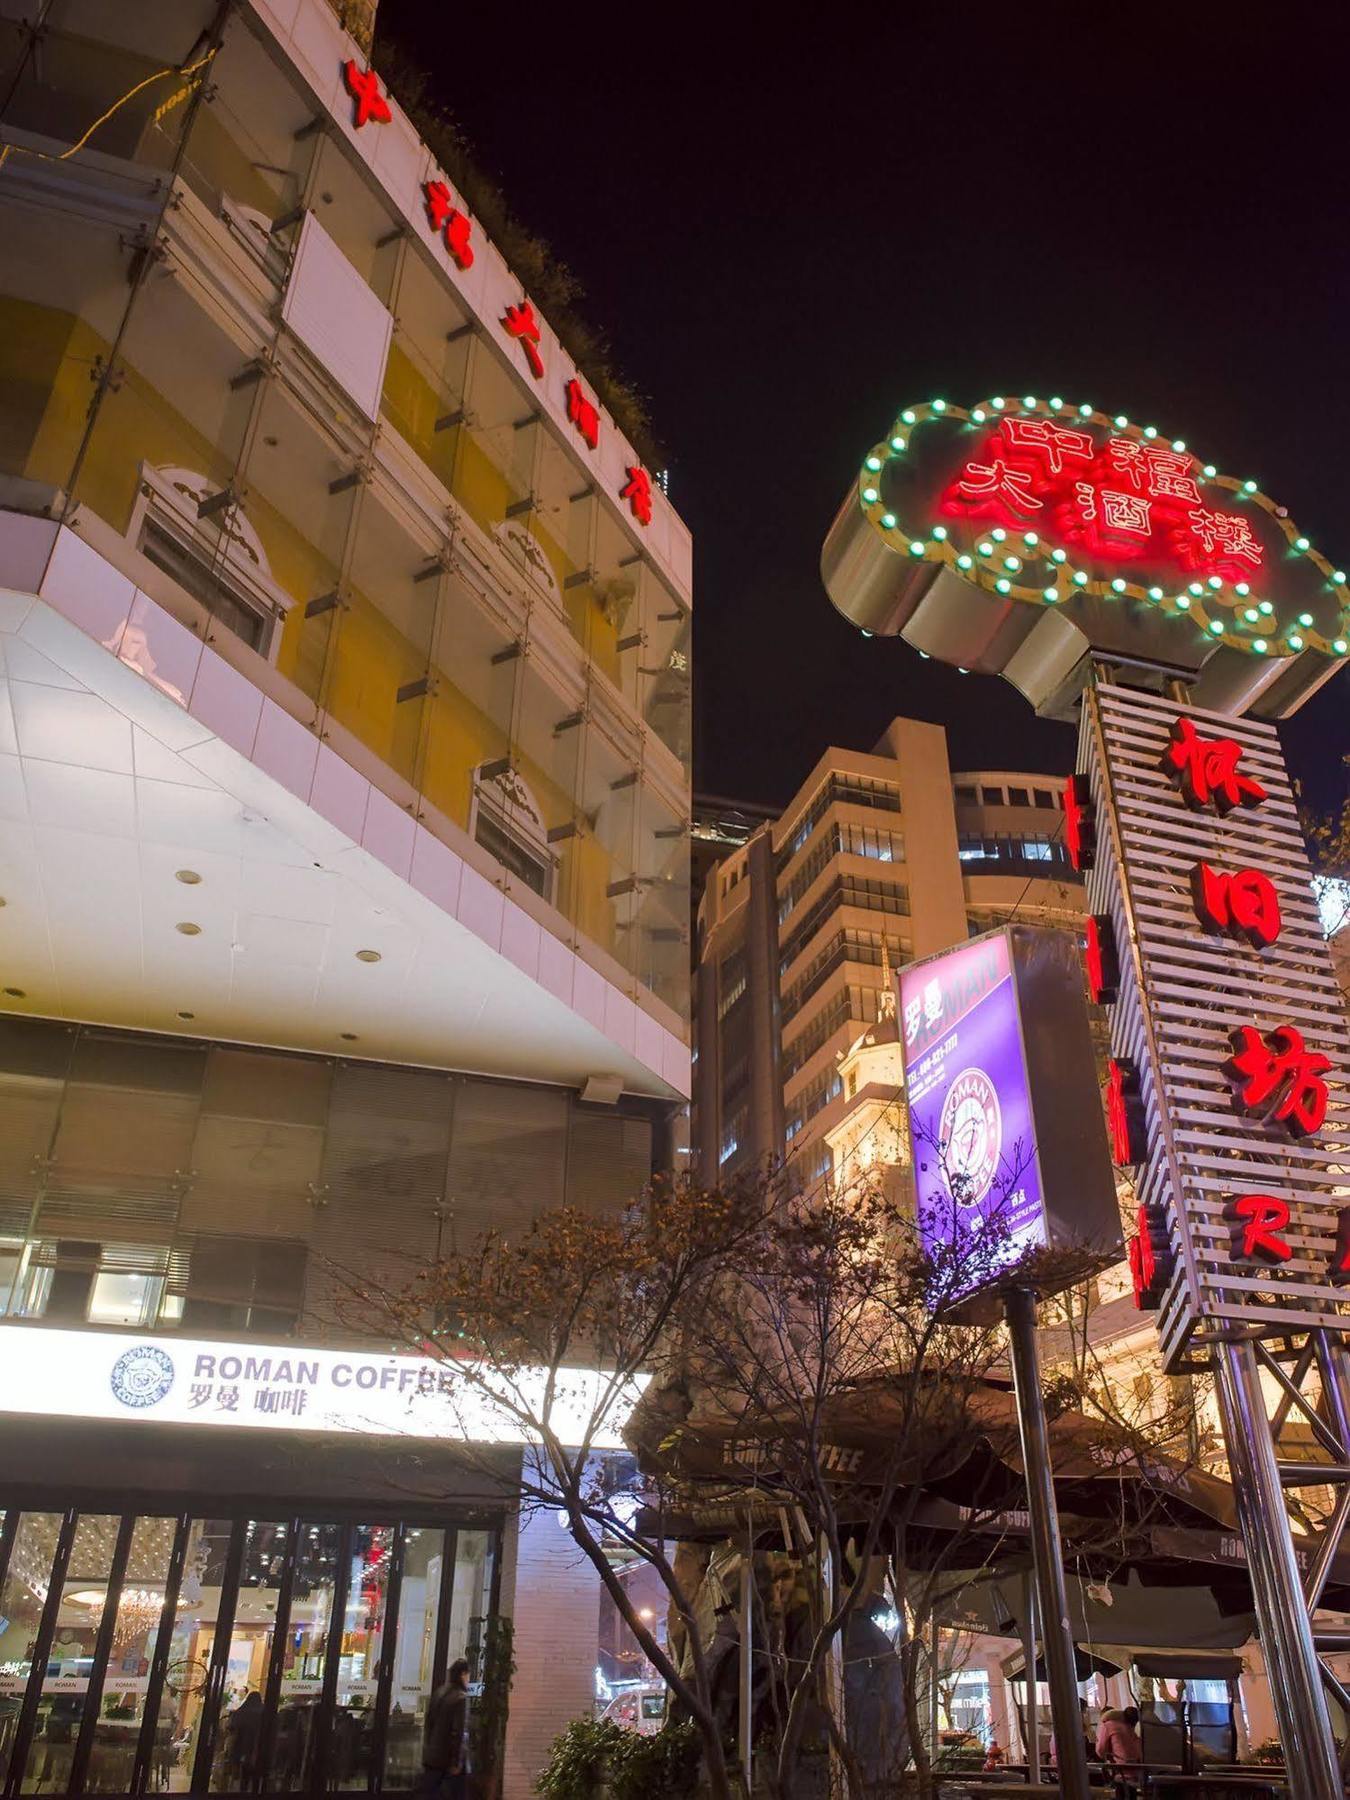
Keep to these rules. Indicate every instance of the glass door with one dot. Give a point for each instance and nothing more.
(23, 1593)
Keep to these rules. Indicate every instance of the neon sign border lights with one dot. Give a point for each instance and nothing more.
(1228, 613)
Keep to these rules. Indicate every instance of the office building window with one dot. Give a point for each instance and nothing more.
(1019, 797)
(1045, 799)
(966, 795)
(731, 982)
(993, 796)
(850, 790)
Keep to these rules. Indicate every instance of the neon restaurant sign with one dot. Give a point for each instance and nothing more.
(1038, 505)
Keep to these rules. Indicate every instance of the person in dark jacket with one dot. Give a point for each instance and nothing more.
(444, 1762)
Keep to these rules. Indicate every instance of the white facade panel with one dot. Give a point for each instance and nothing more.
(336, 317)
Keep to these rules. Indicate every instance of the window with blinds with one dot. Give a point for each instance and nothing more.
(378, 1211)
(148, 1183)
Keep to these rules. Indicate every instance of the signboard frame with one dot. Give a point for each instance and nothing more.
(1047, 1053)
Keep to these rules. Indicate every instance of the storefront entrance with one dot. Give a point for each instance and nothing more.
(152, 1653)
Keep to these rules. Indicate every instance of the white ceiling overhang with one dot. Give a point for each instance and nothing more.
(110, 790)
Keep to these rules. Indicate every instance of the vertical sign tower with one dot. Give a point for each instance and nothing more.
(1226, 1099)
(1111, 575)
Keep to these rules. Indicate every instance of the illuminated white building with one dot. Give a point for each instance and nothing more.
(344, 778)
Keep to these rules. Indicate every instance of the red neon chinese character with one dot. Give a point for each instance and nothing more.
(1121, 1085)
(1227, 532)
(1057, 441)
(1277, 1067)
(1208, 769)
(521, 324)
(1264, 1217)
(446, 217)
(1169, 476)
(1125, 512)
(996, 481)
(582, 412)
(638, 494)
(1166, 474)
(1247, 901)
(365, 90)
(1103, 972)
(1340, 1256)
(1085, 499)
(1080, 830)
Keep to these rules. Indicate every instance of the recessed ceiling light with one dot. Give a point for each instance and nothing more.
(367, 956)
(348, 1036)
(187, 928)
(187, 1015)
(190, 876)
(17, 993)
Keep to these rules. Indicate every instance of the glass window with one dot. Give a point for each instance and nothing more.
(21, 1601)
(70, 1662)
(1044, 799)
(993, 796)
(470, 1598)
(189, 1660)
(414, 1655)
(966, 796)
(244, 1284)
(118, 1299)
(303, 1657)
(126, 1682)
(238, 1744)
(352, 1745)
(1018, 796)
(11, 1269)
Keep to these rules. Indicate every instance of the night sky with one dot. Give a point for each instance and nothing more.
(789, 231)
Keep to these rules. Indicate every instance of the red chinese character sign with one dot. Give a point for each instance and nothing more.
(968, 527)
(1226, 1096)
(368, 102)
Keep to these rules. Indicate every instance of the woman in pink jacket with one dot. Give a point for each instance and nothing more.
(1118, 1739)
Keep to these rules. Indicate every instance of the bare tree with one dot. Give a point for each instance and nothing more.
(550, 1336)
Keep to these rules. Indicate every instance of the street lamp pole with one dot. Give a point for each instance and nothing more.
(1051, 1595)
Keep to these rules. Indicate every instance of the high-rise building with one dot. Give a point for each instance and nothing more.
(879, 858)
(344, 892)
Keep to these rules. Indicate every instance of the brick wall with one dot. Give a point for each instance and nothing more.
(553, 1596)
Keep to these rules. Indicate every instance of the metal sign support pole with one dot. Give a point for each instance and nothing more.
(1287, 1642)
(1052, 1599)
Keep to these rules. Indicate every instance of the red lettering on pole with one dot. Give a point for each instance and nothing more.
(521, 324)
(1151, 1258)
(1263, 1217)
(1122, 1086)
(583, 413)
(1103, 970)
(1340, 1256)
(638, 493)
(1208, 770)
(364, 88)
(447, 220)
(1245, 902)
(1276, 1067)
(1080, 826)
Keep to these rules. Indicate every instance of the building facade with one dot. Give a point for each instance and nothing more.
(344, 776)
(879, 858)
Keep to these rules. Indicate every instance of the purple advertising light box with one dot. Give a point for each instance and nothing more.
(1006, 1122)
